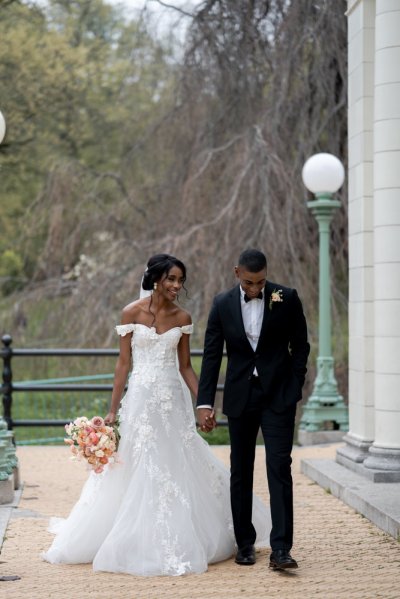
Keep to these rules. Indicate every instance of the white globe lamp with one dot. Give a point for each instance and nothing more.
(323, 173)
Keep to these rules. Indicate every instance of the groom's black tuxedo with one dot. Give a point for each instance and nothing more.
(268, 400)
(280, 357)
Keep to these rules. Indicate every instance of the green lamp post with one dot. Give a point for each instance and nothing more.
(323, 175)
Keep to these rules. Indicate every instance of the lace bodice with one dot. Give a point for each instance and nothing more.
(152, 350)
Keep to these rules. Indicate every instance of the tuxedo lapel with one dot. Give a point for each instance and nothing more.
(267, 312)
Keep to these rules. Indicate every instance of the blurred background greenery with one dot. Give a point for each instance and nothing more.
(124, 140)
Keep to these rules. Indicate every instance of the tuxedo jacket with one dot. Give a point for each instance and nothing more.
(280, 356)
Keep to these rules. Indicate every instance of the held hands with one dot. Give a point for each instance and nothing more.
(206, 419)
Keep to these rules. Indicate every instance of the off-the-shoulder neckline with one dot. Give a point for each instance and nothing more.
(136, 324)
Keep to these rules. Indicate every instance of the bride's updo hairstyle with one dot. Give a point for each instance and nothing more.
(158, 266)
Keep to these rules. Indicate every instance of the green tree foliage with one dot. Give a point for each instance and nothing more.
(77, 84)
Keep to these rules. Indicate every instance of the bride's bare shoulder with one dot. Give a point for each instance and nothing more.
(184, 317)
(131, 311)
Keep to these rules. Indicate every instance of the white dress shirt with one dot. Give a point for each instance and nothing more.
(252, 314)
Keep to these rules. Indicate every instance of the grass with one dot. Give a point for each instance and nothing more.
(219, 436)
(53, 406)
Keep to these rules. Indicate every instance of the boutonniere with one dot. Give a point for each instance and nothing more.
(276, 296)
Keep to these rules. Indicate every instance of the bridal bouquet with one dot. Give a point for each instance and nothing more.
(93, 441)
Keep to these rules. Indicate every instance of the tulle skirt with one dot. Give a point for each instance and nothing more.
(164, 509)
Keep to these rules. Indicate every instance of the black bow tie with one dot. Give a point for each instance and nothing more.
(248, 299)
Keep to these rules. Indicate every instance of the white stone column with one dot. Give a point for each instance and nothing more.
(361, 45)
(384, 454)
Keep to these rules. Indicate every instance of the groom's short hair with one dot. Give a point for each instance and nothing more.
(253, 260)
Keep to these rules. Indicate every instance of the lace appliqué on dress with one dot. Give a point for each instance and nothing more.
(164, 504)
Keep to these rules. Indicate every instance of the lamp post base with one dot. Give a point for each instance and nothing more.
(325, 414)
(325, 409)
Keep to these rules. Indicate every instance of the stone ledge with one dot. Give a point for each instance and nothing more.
(319, 437)
(379, 502)
(6, 511)
(7, 490)
(376, 476)
(5, 515)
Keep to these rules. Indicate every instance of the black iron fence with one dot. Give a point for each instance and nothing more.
(9, 389)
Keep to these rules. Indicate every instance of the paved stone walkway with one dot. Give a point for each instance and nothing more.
(340, 553)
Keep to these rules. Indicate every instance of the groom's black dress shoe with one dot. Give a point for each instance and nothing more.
(281, 559)
(246, 556)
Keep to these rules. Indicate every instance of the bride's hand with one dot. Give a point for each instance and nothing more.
(206, 419)
(110, 419)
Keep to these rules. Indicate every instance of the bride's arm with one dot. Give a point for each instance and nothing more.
(121, 372)
(190, 378)
(185, 365)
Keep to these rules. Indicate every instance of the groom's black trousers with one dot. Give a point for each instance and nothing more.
(277, 430)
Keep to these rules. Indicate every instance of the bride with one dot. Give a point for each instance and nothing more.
(164, 509)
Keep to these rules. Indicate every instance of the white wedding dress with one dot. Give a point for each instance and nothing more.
(165, 508)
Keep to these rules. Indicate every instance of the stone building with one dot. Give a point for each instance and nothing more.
(366, 473)
(373, 441)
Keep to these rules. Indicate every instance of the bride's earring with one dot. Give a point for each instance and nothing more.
(155, 286)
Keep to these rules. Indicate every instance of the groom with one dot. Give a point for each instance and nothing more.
(265, 332)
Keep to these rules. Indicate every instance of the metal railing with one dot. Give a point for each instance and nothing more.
(8, 388)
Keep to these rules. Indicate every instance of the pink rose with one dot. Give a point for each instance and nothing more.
(97, 422)
(94, 438)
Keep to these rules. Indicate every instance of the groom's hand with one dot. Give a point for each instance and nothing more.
(206, 419)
